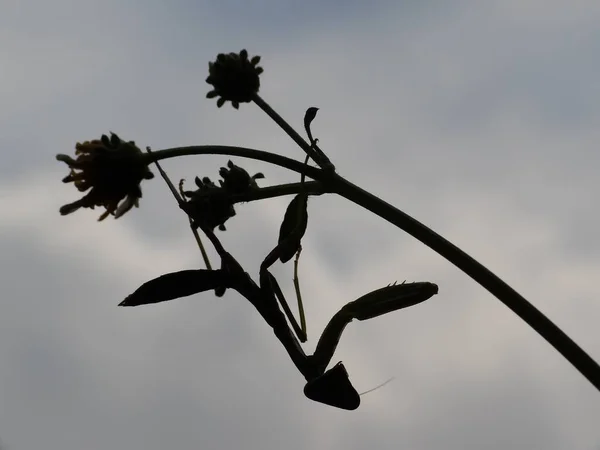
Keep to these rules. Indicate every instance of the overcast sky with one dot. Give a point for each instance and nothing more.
(479, 118)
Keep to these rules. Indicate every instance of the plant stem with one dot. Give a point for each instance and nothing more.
(313, 188)
(319, 158)
(519, 305)
(180, 201)
(244, 152)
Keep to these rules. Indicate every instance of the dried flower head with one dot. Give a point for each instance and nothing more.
(237, 180)
(113, 169)
(234, 78)
(209, 205)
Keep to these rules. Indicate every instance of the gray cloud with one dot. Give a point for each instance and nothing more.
(479, 120)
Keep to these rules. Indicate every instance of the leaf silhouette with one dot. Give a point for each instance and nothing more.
(309, 116)
(176, 285)
(293, 227)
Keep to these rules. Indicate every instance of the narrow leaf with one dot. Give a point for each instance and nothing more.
(309, 116)
(175, 285)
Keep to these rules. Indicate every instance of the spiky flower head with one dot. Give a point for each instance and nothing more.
(211, 205)
(234, 78)
(236, 180)
(113, 169)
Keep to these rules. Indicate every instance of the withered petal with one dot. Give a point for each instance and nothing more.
(71, 207)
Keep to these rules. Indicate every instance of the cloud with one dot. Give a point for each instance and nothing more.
(478, 119)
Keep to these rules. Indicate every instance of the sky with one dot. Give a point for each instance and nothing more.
(479, 119)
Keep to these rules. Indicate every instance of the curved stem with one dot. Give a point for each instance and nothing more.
(244, 152)
(518, 304)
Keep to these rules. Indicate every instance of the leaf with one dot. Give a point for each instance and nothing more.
(293, 227)
(309, 116)
(176, 285)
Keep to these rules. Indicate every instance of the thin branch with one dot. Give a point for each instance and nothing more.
(180, 200)
(313, 188)
(296, 166)
(195, 231)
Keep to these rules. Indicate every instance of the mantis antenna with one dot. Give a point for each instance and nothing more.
(377, 387)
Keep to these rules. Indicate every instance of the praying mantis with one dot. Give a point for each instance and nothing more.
(331, 387)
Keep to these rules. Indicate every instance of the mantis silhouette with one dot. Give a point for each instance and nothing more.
(331, 387)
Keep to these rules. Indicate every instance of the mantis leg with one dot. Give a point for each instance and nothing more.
(298, 294)
(271, 287)
(373, 304)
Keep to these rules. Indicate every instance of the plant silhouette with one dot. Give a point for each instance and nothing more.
(112, 170)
